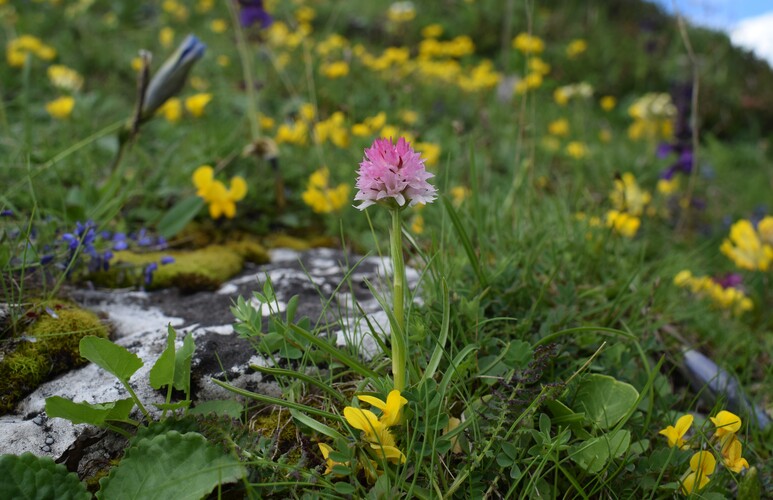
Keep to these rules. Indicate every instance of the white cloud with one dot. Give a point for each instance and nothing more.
(755, 34)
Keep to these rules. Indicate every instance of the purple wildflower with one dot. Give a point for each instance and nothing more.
(6, 213)
(393, 171)
(729, 280)
(252, 11)
(167, 259)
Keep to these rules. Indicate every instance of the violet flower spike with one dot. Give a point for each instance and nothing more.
(393, 174)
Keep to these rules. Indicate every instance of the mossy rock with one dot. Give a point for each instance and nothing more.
(47, 347)
(299, 244)
(192, 270)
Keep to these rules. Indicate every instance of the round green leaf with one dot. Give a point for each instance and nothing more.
(605, 400)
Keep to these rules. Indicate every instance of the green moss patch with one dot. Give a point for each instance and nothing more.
(192, 270)
(47, 347)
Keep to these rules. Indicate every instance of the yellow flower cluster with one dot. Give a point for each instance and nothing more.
(61, 107)
(321, 197)
(750, 248)
(370, 125)
(528, 44)
(376, 429)
(576, 47)
(222, 201)
(653, 116)
(401, 12)
(64, 78)
(628, 201)
(172, 109)
(628, 196)
(17, 50)
(562, 95)
(729, 298)
(703, 463)
(177, 10)
(333, 129)
(455, 48)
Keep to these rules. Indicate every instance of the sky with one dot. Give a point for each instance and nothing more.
(748, 22)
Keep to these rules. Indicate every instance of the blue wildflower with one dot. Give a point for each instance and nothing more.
(119, 242)
(6, 213)
(148, 272)
(167, 259)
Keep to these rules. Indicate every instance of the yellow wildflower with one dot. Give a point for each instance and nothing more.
(223, 60)
(305, 14)
(321, 197)
(391, 409)
(295, 133)
(18, 48)
(675, 434)
(624, 224)
(376, 430)
(417, 224)
(432, 31)
(453, 423)
(537, 65)
(136, 63)
(668, 186)
(218, 25)
(731, 455)
(401, 12)
(266, 122)
(409, 117)
(196, 103)
(221, 201)
(576, 47)
(561, 96)
(204, 6)
(628, 196)
(64, 78)
(608, 103)
(576, 150)
(702, 465)
(171, 110)
(745, 248)
(60, 108)
(528, 44)
(459, 194)
(765, 230)
(430, 151)
(325, 449)
(367, 422)
(166, 37)
(727, 424)
(559, 127)
(335, 69)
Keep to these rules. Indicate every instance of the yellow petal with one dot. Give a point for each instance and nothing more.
(726, 423)
(373, 401)
(202, 177)
(238, 188)
(703, 462)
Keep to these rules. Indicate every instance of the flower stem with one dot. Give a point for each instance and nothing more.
(245, 58)
(398, 302)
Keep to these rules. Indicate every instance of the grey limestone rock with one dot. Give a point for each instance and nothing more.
(329, 284)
